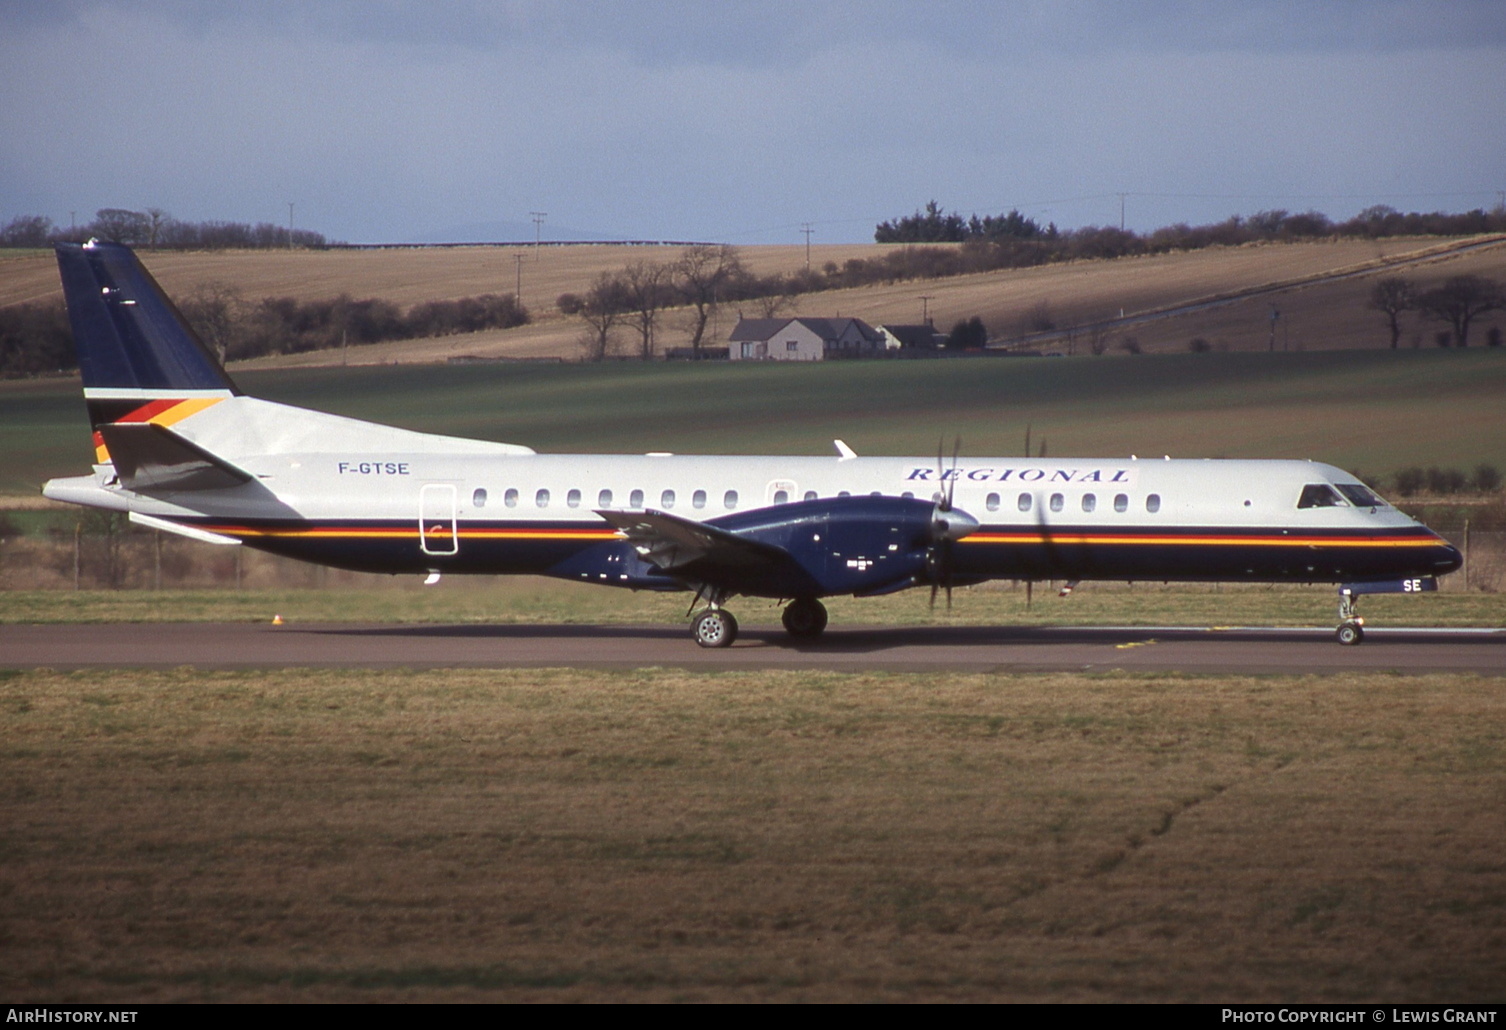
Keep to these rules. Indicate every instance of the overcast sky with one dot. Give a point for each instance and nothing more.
(395, 120)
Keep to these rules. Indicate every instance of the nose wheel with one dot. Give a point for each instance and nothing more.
(1351, 629)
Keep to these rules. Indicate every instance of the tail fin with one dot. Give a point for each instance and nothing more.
(140, 359)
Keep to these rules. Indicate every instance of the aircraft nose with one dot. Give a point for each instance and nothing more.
(1449, 558)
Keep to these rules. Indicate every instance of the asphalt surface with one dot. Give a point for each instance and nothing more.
(907, 649)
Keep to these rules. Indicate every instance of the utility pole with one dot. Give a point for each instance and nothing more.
(925, 308)
(805, 227)
(1121, 211)
(538, 227)
(1275, 316)
(290, 225)
(518, 290)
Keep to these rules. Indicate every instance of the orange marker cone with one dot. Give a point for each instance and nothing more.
(277, 620)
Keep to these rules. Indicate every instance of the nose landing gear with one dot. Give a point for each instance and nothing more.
(1351, 629)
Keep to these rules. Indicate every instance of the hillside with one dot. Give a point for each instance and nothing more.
(1318, 312)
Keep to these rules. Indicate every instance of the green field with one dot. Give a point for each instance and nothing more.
(1369, 411)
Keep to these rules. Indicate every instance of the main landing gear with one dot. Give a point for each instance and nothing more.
(1351, 629)
(803, 618)
(714, 627)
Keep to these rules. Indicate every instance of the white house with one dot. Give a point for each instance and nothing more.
(803, 339)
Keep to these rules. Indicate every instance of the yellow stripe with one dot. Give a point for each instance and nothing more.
(183, 409)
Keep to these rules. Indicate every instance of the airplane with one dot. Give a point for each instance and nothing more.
(181, 449)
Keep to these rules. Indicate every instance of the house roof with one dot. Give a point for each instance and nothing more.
(755, 329)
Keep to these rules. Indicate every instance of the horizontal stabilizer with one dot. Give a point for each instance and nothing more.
(150, 458)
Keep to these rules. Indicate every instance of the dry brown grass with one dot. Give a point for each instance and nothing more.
(480, 835)
(1321, 317)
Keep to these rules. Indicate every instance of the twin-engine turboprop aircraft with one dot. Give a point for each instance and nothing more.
(182, 450)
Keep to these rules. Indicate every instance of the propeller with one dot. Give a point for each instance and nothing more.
(948, 525)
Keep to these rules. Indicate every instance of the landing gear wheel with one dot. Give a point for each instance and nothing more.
(804, 617)
(1350, 633)
(714, 628)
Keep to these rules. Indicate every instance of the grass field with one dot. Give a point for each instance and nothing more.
(310, 835)
(1371, 412)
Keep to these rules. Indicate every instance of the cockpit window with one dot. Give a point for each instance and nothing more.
(1319, 495)
(1360, 496)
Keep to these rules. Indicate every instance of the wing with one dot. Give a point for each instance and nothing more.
(700, 553)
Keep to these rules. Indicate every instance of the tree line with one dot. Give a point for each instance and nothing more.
(934, 224)
(155, 228)
(35, 339)
(1457, 302)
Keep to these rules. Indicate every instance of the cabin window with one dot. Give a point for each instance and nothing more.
(1121, 502)
(573, 498)
(781, 497)
(844, 493)
(1024, 502)
(1089, 502)
(729, 500)
(1058, 502)
(510, 498)
(667, 499)
(478, 498)
(1360, 496)
(635, 499)
(698, 499)
(810, 495)
(992, 502)
(908, 494)
(1153, 503)
(541, 498)
(1319, 495)
(604, 499)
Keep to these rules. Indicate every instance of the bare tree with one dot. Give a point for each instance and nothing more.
(777, 300)
(121, 226)
(1391, 296)
(702, 276)
(156, 225)
(215, 311)
(1459, 300)
(646, 291)
(602, 308)
(26, 231)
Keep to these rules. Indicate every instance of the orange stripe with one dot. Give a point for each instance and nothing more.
(403, 532)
